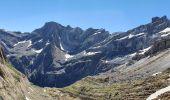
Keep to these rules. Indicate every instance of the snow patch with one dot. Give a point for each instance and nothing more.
(68, 56)
(165, 30)
(132, 55)
(106, 61)
(47, 43)
(144, 50)
(96, 33)
(91, 53)
(30, 43)
(38, 51)
(164, 35)
(23, 42)
(140, 34)
(61, 46)
(123, 38)
(159, 92)
(131, 36)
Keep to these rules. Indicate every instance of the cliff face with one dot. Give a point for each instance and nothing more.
(15, 86)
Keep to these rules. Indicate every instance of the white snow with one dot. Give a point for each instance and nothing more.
(29, 43)
(22, 42)
(106, 61)
(38, 51)
(27, 98)
(139, 34)
(96, 33)
(164, 35)
(132, 55)
(159, 92)
(165, 30)
(61, 46)
(145, 50)
(156, 73)
(123, 38)
(131, 36)
(68, 56)
(47, 43)
(91, 53)
(136, 35)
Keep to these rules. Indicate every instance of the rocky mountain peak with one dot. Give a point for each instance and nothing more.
(160, 19)
(52, 24)
(49, 28)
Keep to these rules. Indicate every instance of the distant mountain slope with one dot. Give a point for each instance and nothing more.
(146, 79)
(57, 56)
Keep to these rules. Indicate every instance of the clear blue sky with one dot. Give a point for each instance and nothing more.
(113, 15)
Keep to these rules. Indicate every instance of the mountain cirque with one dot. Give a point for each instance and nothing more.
(58, 56)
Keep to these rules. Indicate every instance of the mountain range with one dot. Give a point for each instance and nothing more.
(55, 55)
(61, 56)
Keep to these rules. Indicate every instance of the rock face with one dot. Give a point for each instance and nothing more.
(57, 56)
(15, 85)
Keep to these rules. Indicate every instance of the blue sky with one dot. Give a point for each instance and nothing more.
(113, 15)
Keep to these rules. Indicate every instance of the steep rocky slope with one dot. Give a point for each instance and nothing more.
(15, 86)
